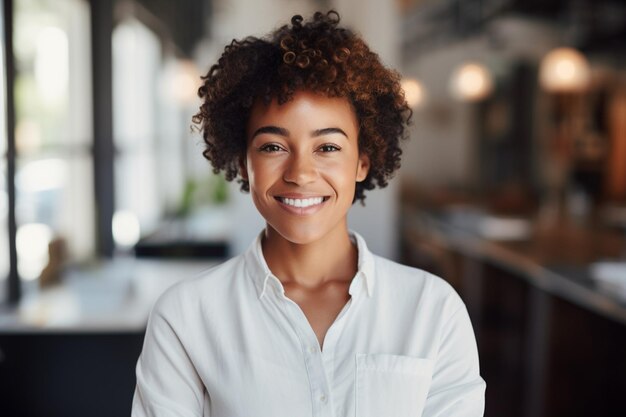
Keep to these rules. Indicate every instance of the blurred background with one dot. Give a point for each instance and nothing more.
(513, 185)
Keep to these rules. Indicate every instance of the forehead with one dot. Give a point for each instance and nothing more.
(305, 107)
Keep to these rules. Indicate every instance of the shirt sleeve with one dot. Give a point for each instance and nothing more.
(457, 389)
(168, 384)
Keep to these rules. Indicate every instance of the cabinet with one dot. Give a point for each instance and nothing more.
(68, 375)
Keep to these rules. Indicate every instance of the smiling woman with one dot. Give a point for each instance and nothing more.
(308, 321)
(317, 56)
(302, 164)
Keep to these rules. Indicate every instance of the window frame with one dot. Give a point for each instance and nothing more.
(13, 281)
(101, 14)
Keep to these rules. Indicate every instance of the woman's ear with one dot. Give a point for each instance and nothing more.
(363, 167)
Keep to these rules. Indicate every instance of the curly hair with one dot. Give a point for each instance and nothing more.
(316, 56)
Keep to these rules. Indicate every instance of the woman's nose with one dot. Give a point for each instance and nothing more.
(300, 170)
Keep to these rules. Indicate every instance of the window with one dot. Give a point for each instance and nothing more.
(53, 132)
(157, 161)
(138, 131)
(143, 160)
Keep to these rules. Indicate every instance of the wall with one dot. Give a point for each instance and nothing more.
(441, 149)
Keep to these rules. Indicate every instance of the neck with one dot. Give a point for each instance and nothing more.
(314, 264)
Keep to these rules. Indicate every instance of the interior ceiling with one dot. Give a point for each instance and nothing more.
(181, 22)
(593, 25)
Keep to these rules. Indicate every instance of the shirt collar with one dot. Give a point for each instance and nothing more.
(262, 276)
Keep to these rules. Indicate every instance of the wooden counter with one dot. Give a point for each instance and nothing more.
(552, 342)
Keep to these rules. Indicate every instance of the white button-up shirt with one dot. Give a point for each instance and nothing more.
(229, 343)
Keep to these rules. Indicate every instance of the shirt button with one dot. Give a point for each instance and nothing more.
(323, 398)
(312, 349)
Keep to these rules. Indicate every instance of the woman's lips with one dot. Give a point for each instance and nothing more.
(301, 205)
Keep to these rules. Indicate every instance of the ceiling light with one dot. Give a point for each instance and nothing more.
(564, 70)
(471, 82)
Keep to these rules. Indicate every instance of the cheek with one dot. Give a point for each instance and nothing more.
(259, 185)
(261, 174)
(254, 169)
(341, 175)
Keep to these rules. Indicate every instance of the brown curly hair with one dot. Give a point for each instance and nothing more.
(317, 56)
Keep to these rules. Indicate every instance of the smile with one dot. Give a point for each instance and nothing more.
(301, 202)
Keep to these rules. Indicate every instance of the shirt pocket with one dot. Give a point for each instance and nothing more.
(391, 385)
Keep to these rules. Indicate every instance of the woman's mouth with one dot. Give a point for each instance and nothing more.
(301, 205)
(301, 202)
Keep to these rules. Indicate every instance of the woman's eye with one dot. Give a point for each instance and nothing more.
(270, 147)
(329, 148)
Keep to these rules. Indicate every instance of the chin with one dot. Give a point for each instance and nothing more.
(298, 234)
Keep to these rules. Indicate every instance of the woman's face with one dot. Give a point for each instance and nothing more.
(302, 163)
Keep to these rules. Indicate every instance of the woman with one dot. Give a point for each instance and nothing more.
(307, 322)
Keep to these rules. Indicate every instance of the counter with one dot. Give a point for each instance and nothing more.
(551, 338)
(557, 259)
(113, 296)
(71, 350)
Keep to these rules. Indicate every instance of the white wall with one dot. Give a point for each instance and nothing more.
(237, 19)
(441, 149)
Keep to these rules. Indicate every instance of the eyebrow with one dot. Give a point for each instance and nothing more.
(275, 130)
(328, 131)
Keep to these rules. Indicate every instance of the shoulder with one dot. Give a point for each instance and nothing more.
(414, 284)
(205, 288)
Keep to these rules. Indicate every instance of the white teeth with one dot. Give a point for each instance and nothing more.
(307, 202)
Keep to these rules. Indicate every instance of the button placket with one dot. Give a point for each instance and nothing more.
(313, 359)
(332, 337)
